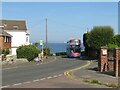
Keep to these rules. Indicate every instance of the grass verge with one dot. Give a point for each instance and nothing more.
(99, 83)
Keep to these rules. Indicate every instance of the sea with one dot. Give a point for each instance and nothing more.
(58, 47)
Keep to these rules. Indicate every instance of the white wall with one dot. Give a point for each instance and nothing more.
(18, 39)
(13, 51)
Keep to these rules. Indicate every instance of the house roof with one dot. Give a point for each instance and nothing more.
(13, 24)
(4, 33)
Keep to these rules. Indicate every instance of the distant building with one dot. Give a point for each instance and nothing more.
(18, 30)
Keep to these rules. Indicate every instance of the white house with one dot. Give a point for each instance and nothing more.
(19, 32)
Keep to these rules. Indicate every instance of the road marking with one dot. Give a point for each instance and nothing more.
(36, 80)
(6, 68)
(49, 77)
(9, 68)
(54, 76)
(70, 73)
(6, 86)
(43, 79)
(26, 82)
(32, 81)
(17, 84)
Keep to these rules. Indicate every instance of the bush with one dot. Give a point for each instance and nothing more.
(85, 42)
(28, 51)
(111, 47)
(50, 54)
(116, 40)
(48, 51)
(60, 53)
(100, 36)
(36, 44)
(5, 52)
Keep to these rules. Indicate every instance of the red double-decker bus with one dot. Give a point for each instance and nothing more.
(73, 48)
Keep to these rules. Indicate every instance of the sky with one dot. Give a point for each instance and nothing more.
(66, 20)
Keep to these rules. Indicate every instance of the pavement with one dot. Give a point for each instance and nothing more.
(5, 65)
(89, 73)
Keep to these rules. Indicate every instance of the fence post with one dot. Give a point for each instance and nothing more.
(103, 60)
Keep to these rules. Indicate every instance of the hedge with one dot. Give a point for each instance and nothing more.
(60, 53)
(5, 52)
(28, 51)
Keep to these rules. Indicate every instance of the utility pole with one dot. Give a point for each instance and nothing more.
(46, 40)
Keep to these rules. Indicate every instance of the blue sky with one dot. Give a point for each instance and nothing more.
(65, 20)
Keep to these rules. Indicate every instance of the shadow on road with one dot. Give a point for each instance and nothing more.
(93, 69)
(110, 73)
(80, 58)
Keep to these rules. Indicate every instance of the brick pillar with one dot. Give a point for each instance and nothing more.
(116, 61)
(103, 60)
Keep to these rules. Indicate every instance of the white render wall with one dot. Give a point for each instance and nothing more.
(13, 51)
(18, 39)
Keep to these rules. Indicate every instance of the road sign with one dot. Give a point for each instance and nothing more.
(41, 42)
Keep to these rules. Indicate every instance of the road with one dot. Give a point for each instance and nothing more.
(33, 72)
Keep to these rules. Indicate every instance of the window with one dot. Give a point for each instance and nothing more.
(5, 38)
(9, 39)
(15, 27)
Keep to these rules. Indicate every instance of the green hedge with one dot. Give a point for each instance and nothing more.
(60, 53)
(27, 51)
(5, 52)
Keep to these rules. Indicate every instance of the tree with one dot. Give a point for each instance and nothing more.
(100, 36)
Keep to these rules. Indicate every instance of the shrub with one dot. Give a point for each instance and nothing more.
(27, 51)
(5, 52)
(60, 53)
(36, 44)
(86, 37)
(111, 47)
(100, 36)
(48, 51)
(116, 40)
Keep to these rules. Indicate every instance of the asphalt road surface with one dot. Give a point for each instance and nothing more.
(49, 74)
(35, 71)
